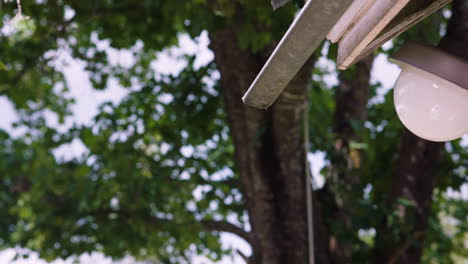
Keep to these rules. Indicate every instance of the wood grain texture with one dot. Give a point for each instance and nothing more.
(350, 17)
(403, 23)
(367, 29)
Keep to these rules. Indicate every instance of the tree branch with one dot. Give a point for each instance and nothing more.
(207, 225)
(223, 226)
(403, 248)
(243, 256)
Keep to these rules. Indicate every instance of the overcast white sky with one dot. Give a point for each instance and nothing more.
(88, 100)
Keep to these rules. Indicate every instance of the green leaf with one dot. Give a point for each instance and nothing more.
(3, 67)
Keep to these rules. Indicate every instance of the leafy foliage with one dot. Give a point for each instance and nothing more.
(160, 162)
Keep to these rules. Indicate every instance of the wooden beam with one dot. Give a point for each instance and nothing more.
(306, 33)
(408, 18)
(367, 29)
(354, 13)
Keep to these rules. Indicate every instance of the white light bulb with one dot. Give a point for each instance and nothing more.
(429, 106)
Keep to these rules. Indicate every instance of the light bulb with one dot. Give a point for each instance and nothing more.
(430, 106)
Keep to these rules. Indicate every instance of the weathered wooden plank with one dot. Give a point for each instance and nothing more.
(367, 29)
(306, 33)
(354, 13)
(408, 18)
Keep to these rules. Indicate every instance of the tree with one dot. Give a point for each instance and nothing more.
(181, 159)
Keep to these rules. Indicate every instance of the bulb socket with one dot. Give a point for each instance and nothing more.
(433, 60)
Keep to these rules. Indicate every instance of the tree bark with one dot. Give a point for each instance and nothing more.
(456, 40)
(269, 153)
(414, 180)
(352, 96)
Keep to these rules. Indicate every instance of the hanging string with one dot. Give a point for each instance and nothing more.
(309, 181)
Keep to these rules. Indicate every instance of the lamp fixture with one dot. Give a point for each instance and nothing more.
(431, 94)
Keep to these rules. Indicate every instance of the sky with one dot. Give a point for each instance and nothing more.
(88, 100)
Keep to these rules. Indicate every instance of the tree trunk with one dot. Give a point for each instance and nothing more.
(351, 98)
(269, 152)
(414, 180)
(456, 40)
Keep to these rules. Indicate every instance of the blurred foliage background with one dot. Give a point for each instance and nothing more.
(159, 176)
